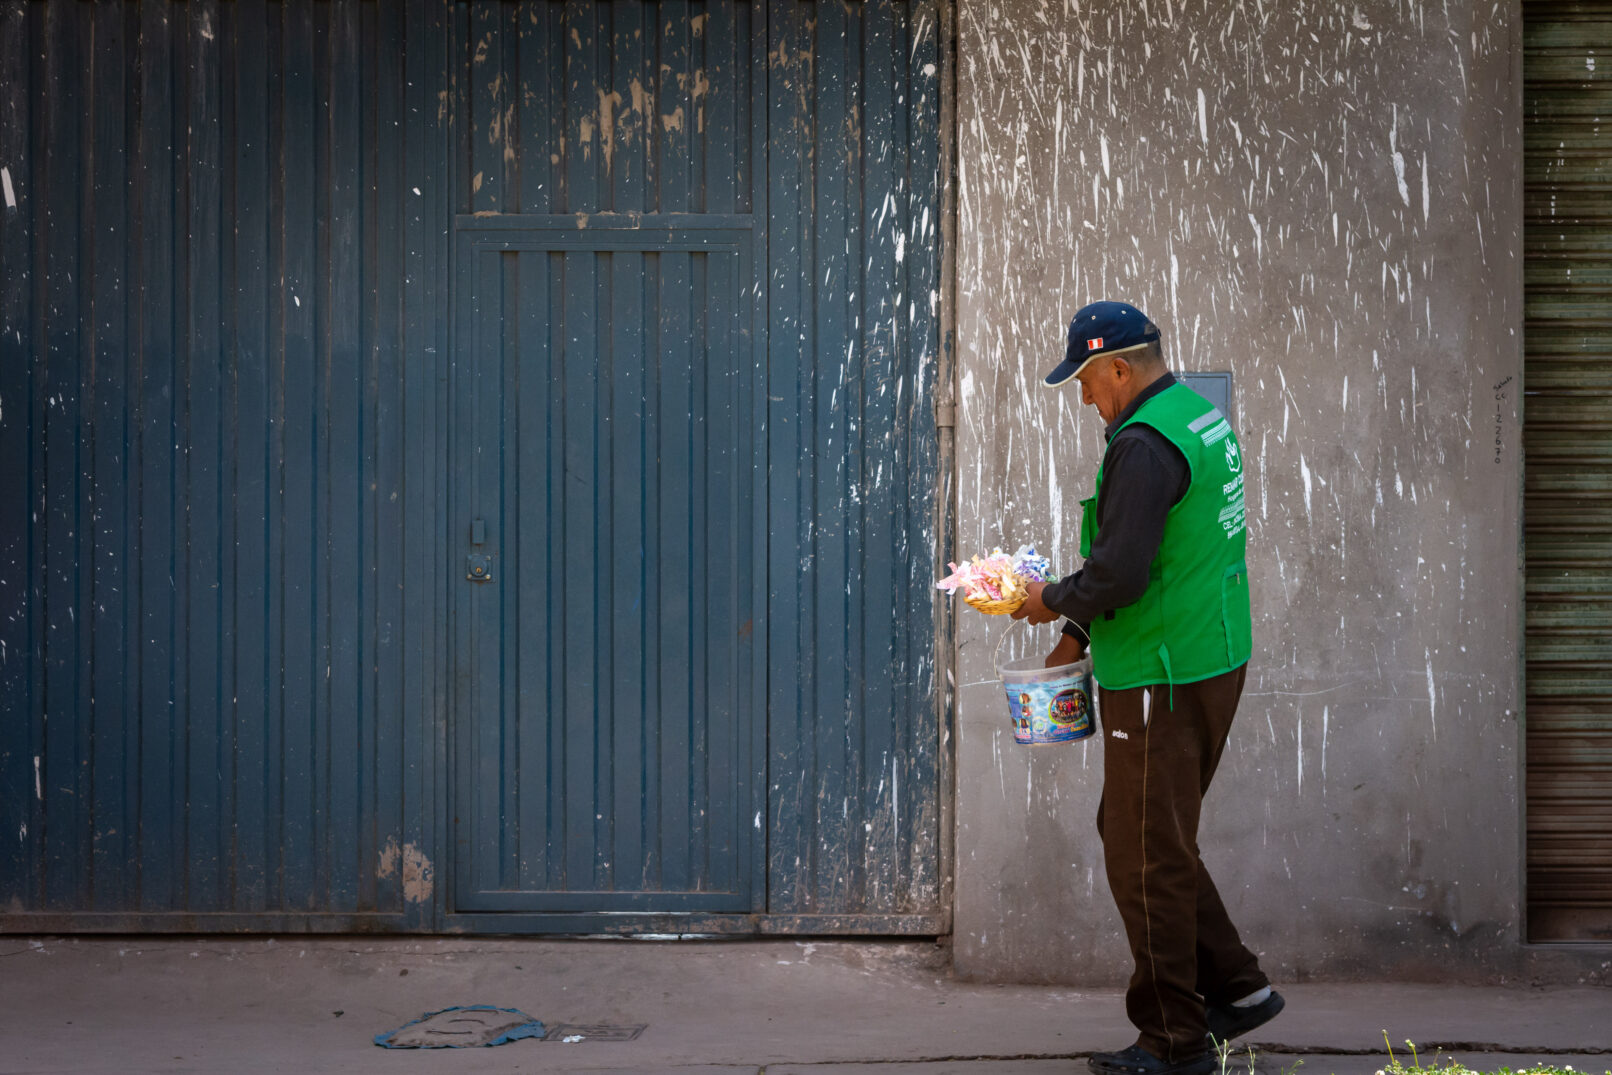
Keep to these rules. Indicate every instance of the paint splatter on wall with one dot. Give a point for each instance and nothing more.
(1324, 200)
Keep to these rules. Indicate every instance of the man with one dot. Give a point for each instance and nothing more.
(1163, 597)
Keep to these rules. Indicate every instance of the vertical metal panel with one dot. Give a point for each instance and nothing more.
(853, 193)
(388, 447)
(205, 462)
(426, 539)
(301, 402)
(58, 495)
(219, 359)
(249, 334)
(1568, 377)
(20, 843)
(158, 549)
(113, 644)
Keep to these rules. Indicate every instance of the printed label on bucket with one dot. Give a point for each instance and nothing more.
(1056, 711)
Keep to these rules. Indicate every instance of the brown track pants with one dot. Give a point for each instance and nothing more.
(1155, 772)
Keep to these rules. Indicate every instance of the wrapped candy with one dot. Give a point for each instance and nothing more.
(1032, 566)
(996, 584)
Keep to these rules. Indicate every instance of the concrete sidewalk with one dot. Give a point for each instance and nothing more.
(314, 1004)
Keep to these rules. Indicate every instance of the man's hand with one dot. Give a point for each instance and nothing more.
(1068, 650)
(1032, 609)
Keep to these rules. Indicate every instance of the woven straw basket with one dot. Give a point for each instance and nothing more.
(994, 608)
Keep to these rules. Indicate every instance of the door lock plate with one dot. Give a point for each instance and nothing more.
(479, 568)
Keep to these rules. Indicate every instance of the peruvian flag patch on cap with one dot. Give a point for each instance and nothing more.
(1094, 344)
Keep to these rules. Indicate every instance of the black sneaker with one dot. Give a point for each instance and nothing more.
(1227, 1021)
(1138, 1061)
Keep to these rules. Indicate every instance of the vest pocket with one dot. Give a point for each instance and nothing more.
(1235, 612)
(1088, 524)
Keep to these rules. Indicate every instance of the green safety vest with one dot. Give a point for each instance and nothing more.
(1193, 621)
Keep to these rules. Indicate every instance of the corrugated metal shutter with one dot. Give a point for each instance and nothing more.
(1568, 442)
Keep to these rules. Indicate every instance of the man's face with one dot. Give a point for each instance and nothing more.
(1104, 385)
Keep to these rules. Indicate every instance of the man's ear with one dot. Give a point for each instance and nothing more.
(1122, 369)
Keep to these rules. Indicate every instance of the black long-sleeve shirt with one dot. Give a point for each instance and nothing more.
(1144, 476)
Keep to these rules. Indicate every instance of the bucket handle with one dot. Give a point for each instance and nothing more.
(996, 654)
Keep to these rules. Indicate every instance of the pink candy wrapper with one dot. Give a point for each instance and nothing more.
(998, 577)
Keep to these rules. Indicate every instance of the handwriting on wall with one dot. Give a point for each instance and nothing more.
(1499, 418)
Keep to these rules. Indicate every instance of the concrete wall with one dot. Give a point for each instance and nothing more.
(1326, 199)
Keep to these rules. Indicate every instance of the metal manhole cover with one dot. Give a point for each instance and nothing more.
(575, 1032)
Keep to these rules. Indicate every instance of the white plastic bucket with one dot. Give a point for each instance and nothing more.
(1048, 705)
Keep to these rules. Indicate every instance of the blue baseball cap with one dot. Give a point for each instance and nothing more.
(1101, 329)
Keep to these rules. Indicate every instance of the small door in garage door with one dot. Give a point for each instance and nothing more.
(606, 484)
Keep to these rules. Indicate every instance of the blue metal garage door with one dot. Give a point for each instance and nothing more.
(308, 310)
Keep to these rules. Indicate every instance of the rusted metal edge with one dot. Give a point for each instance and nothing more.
(211, 922)
(728, 925)
(946, 441)
(594, 923)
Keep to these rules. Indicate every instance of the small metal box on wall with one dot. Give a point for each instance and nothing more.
(1215, 387)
